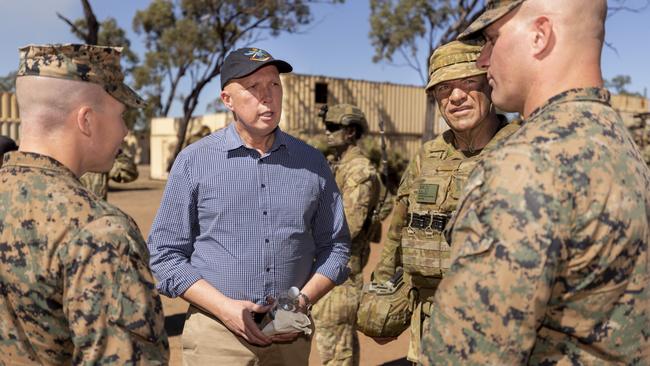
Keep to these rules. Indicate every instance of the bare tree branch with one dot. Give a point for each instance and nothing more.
(613, 10)
(91, 35)
(78, 32)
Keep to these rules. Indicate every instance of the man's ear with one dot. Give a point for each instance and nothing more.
(543, 37)
(227, 100)
(350, 133)
(84, 117)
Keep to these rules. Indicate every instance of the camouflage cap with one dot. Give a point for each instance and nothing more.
(494, 10)
(346, 114)
(80, 62)
(454, 60)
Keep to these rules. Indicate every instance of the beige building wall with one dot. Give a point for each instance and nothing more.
(402, 107)
(165, 133)
(629, 105)
(9, 117)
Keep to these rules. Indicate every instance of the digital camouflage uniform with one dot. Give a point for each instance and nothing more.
(124, 170)
(335, 314)
(75, 285)
(550, 250)
(427, 196)
(74, 273)
(550, 244)
(640, 132)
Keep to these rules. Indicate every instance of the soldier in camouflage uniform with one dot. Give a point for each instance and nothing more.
(550, 243)
(641, 134)
(201, 133)
(430, 188)
(358, 181)
(74, 277)
(123, 170)
(7, 144)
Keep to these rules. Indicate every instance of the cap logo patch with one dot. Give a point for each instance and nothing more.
(257, 55)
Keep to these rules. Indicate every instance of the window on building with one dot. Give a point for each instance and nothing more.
(321, 93)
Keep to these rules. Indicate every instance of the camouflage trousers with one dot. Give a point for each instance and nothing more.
(335, 316)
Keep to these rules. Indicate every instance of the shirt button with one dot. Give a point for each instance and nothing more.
(268, 269)
(266, 240)
(263, 185)
(264, 212)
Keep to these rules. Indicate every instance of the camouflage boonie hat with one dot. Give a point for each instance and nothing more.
(494, 10)
(346, 115)
(79, 62)
(454, 60)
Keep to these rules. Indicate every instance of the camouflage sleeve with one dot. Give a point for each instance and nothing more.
(124, 169)
(506, 246)
(113, 309)
(359, 192)
(391, 255)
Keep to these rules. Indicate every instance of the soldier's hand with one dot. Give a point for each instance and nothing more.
(237, 316)
(383, 340)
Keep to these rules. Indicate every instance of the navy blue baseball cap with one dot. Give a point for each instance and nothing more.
(245, 61)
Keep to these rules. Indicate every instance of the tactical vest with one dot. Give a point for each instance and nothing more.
(433, 198)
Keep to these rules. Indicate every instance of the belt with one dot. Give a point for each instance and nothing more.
(435, 222)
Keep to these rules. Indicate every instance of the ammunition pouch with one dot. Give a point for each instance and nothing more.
(425, 252)
(436, 222)
(385, 309)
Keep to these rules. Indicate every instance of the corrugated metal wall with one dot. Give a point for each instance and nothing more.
(628, 106)
(402, 107)
(9, 117)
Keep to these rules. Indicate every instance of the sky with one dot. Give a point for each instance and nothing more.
(335, 44)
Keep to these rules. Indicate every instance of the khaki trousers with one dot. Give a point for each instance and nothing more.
(206, 342)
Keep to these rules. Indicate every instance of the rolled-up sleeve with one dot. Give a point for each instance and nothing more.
(174, 230)
(330, 231)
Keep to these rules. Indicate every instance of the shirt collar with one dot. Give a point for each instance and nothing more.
(572, 95)
(233, 140)
(37, 161)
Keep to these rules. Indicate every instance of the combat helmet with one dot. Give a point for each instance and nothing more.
(385, 308)
(455, 60)
(346, 115)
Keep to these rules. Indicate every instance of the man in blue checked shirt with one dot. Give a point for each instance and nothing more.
(248, 212)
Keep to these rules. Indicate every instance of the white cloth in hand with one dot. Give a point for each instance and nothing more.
(288, 322)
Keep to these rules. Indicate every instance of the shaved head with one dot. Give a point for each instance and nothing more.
(576, 21)
(45, 102)
(542, 48)
(77, 123)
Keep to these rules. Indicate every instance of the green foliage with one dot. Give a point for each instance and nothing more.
(401, 27)
(619, 85)
(8, 82)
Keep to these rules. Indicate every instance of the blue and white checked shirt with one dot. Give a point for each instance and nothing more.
(250, 225)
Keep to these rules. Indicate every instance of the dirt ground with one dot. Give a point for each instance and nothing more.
(141, 199)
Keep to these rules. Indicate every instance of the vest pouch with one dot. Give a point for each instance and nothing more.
(425, 253)
(457, 184)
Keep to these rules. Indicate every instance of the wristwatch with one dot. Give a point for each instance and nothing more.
(307, 301)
